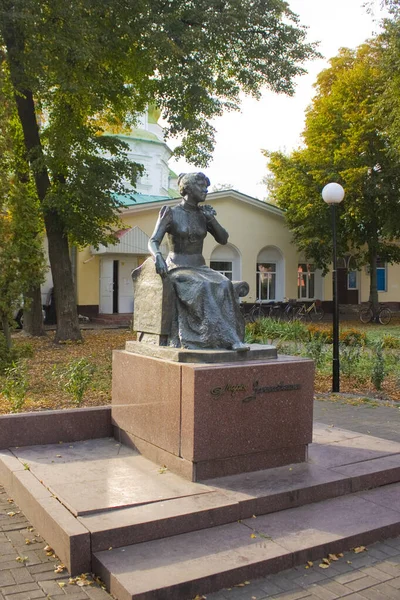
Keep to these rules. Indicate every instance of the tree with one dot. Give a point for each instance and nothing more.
(79, 63)
(21, 229)
(345, 140)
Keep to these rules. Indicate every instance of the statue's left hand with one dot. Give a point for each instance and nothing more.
(208, 211)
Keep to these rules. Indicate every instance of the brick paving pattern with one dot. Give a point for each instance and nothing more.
(28, 572)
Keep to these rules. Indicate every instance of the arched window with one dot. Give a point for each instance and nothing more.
(306, 281)
(226, 260)
(269, 274)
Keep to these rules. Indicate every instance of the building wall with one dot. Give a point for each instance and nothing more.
(251, 229)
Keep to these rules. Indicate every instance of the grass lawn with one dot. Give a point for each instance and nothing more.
(46, 391)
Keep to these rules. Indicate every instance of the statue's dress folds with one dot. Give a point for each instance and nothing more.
(207, 312)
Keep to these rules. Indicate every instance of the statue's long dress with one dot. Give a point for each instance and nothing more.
(207, 314)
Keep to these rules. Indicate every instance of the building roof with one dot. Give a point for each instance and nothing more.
(135, 199)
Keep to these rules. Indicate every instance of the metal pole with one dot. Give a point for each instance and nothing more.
(335, 364)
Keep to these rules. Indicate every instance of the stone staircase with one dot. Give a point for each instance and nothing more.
(151, 535)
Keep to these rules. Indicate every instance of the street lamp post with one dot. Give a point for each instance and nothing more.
(333, 194)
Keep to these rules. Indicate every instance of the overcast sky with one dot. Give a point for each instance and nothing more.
(276, 121)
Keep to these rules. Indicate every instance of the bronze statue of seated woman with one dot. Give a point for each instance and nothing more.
(206, 314)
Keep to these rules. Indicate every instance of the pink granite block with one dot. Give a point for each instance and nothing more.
(146, 399)
(241, 409)
(53, 426)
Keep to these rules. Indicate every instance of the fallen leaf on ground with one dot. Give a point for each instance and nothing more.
(323, 566)
(333, 557)
(359, 549)
(253, 535)
(60, 568)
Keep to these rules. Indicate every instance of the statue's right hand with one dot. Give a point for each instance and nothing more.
(161, 265)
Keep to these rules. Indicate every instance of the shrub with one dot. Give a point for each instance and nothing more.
(273, 329)
(378, 366)
(314, 349)
(316, 332)
(75, 378)
(349, 359)
(352, 337)
(390, 341)
(15, 385)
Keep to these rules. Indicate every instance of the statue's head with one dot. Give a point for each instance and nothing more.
(188, 181)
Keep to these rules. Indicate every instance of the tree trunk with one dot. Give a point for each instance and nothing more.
(67, 314)
(6, 330)
(373, 288)
(64, 290)
(33, 313)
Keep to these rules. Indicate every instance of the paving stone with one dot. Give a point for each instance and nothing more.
(51, 588)
(21, 587)
(391, 568)
(322, 592)
(311, 576)
(374, 593)
(336, 588)
(22, 575)
(376, 572)
(362, 583)
(294, 595)
(389, 591)
(6, 578)
(393, 542)
(395, 583)
(26, 595)
(97, 593)
(10, 564)
(270, 587)
(42, 568)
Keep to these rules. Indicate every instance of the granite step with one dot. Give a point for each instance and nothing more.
(183, 566)
(238, 498)
(349, 464)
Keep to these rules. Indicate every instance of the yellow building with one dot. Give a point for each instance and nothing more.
(259, 251)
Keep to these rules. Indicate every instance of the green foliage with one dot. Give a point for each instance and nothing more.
(315, 349)
(350, 355)
(75, 378)
(15, 385)
(316, 332)
(9, 356)
(378, 373)
(352, 337)
(391, 341)
(267, 329)
(21, 227)
(346, 141)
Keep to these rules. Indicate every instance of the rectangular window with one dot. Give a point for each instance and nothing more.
(305, 281)
(381, 275)
(266, 281)
(223, 267)
(352, 280)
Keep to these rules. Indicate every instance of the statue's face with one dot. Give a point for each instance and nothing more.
(199, 190)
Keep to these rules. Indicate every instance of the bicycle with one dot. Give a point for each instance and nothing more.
(290, 310)
(366, 314)
(314, 311)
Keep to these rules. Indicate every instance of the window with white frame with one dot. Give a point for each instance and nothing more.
(223, 267)
(306, 281)
(266, 281)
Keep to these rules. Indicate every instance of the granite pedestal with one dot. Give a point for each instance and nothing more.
(210, 420)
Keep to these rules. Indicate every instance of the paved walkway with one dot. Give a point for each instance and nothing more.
(27, 571)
